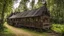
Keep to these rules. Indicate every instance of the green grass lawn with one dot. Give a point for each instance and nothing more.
(6, 32)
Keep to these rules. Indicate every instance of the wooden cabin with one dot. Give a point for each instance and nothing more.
(37, 18)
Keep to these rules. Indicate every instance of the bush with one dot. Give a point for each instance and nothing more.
(58, 28)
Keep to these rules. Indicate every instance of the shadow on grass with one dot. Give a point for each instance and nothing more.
(33, 30)
(6, 32)
(38, 32)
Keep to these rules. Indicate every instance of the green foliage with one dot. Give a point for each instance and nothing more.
(32, 4)
(56, 10)
(6, 32)
(58, 28)
(22, 6)
(8, 7)
(5, 8)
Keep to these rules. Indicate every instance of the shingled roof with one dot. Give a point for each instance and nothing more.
(32, 13)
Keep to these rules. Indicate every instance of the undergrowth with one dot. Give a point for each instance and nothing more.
(59, 28)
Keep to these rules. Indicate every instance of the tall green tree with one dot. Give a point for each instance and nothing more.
(39, 4)
(5, 8)
(23, 5)
(56, 9)
(32, 4)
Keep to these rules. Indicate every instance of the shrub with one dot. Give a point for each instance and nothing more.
(58, 28)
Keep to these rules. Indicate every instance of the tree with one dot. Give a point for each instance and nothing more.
(56, 10)
(32, 4)
(22, 6)
(5, 8)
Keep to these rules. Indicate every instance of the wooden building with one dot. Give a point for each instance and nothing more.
(37, 18)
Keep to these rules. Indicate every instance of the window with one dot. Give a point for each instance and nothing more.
(11, 19)
(31, 19)
(36, 19)
(45, 19)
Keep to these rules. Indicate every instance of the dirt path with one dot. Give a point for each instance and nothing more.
(21, 32)
(17, 31)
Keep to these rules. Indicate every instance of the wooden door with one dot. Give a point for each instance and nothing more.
(46, 22)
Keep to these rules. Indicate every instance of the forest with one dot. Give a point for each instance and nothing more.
(55, 8)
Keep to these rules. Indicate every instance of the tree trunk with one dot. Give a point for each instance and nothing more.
(2, 16)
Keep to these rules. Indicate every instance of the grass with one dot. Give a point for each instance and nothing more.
(59, 28)
(34, 32)
(6, 32)
(56, 27)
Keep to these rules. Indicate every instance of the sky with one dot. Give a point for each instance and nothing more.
(16, 4)
(28, 5)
